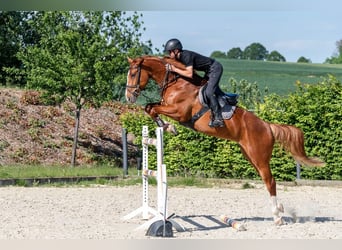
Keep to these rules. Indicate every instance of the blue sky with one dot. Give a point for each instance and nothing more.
(293, 28)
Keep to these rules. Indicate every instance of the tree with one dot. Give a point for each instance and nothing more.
(81, 56)
(276, 57)
(302, 59)
(255, 51)
(235, 53)
(218, 54)
(146, 49)
(9, 41)
(337, 58)
(14, 33)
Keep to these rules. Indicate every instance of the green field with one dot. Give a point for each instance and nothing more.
(278, 77)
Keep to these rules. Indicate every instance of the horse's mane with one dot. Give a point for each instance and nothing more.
(150, 57)
(178, 64)
(165, 59)
(196, 80)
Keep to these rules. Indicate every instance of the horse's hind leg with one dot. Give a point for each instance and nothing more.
(259, 158)
(270, 182)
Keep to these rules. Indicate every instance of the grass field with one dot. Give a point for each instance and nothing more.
(278, 77)
(31, 171)
(22, 172)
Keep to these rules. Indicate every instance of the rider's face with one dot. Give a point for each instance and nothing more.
(172, 54)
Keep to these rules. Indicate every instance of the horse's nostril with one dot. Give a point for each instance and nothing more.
(136, 93)
(131, 99)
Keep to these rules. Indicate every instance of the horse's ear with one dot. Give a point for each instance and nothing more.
(172, 61)
(139, 60)
(129, 60)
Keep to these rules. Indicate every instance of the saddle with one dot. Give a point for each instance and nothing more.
(227, 101)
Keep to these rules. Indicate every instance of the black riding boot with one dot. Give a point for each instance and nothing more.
(217, 120)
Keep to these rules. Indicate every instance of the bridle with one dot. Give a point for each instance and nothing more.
(138, 89)
(136, 86)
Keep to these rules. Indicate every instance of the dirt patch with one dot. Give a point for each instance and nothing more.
(31, 133)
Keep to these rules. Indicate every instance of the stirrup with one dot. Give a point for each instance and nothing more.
(216, 123)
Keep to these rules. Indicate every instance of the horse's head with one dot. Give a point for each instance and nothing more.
(141, 69)
(136, 79)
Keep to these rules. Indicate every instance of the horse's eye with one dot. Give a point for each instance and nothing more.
(132, 75)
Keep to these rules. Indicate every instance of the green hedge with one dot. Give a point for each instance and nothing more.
(315, 108)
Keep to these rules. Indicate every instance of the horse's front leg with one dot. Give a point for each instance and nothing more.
(150, 109)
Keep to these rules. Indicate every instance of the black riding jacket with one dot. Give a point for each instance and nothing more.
(197, 61)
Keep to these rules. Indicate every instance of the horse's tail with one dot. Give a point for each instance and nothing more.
(292, 139)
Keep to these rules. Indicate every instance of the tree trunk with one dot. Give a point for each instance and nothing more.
(74, 146)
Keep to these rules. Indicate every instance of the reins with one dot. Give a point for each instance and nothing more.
(166, 83)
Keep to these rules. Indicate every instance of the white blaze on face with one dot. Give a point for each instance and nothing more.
(130, 97)
(126, 92)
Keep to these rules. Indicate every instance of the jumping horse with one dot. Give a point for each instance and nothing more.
(180, 101)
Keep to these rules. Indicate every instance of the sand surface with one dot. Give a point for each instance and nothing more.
(97, 212)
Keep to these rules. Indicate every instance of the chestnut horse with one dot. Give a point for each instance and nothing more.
(180, 101)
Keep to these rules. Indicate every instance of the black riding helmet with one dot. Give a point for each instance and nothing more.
(173, 44)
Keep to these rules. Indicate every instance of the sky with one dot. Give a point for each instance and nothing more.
(294, 28)
(298, 28)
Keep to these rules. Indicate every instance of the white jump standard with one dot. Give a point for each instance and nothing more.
(149, 213)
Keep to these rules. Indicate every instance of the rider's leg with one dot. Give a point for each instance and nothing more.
(217, 120)
(214, 75)
(219, 92)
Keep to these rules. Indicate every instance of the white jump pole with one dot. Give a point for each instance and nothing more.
(161, 173)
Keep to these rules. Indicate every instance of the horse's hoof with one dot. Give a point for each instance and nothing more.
(170, 128)
(148, 108)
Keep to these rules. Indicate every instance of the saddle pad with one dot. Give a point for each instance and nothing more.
(226, 109)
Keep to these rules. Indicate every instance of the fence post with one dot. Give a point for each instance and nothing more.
(298, 170)
(124, 152)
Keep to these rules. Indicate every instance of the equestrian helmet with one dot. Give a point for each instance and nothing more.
(173, 44)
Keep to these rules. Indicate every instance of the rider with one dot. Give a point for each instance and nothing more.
(194, 61)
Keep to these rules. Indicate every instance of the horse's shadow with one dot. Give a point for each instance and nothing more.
(211, 222)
